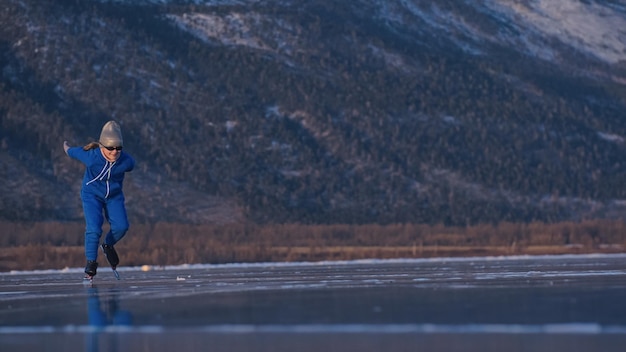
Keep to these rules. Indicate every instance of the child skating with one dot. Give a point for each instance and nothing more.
(101, 193)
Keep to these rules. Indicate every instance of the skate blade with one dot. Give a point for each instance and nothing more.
(117, 275)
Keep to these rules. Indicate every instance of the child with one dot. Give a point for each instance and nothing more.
(101, 193)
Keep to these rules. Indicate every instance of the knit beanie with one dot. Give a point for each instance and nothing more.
(111, 135)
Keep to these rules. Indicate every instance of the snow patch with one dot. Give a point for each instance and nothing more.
(590, 27)
(231, 29)
(611, 137)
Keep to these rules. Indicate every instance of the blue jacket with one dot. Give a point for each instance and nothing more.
(102, 178)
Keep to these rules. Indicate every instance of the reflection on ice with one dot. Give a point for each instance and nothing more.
(103, 311)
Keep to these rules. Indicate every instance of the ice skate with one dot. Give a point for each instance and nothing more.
(111, 255)
(91, 269)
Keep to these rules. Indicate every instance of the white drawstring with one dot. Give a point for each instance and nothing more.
(106, 172)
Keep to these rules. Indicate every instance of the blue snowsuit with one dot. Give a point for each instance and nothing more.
(101, 193)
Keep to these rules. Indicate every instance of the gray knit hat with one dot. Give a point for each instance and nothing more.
(111, 135)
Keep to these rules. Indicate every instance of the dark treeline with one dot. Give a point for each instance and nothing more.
(55, 245)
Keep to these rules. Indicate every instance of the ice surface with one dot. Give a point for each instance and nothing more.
(551, 303)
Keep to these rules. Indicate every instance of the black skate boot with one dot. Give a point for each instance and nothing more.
(91, 269)
(111, 255)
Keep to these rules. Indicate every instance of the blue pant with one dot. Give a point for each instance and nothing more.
(96, 209)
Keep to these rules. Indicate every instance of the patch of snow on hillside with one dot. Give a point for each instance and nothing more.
(232, 29)
(251, 30)
(407, 14)
(611, 137)
(590, 27)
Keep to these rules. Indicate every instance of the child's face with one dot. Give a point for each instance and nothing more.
(111, 153)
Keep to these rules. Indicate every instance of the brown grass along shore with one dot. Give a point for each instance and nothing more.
(56, 245)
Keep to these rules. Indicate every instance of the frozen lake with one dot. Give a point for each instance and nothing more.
(530, 303)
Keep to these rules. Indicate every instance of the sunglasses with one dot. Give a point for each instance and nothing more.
(113, 148)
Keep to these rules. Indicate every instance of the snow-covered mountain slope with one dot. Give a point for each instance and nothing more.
(450, 111)
(595, 29)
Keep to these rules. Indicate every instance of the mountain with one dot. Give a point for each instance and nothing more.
(361, 111)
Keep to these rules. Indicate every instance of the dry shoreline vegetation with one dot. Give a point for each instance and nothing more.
(57, 245)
